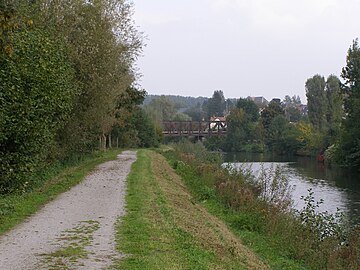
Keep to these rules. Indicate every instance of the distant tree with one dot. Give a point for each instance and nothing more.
(348, 152)
(161, 109)
(334, 111)
(291, 101)
(270, 112)
(196, 113)
(317, 102)
(282, 136)
(181, 117)
(216, 105)
(249, 107)
(239, 130)
(291, 106)
(229, 105)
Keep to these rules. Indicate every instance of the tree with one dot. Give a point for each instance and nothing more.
(282, 136)
(216, 105)
(317, 105)
(241, 130)
(196, 113)
(349, 146)
(102, 45)
(292, 111)
(161, 109)
(334, 111)
(270, 112)
(37, 92)
(249, 107)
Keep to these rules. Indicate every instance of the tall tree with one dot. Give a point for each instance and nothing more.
(334, 112)
(103, 45)
(349, 146)
(216, 105)
(317, 105)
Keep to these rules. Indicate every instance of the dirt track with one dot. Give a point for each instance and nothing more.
(76, 230)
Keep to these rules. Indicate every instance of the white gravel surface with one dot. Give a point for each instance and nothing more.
(84, 217)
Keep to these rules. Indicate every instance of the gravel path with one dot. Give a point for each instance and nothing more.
(76, 230)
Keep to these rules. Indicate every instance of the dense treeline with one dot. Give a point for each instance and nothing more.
(328, 126)
(67, 79)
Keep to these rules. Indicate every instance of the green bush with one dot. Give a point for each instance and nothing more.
(36, 97)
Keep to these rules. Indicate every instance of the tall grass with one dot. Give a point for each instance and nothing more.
(261, 206)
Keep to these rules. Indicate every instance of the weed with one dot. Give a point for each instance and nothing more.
(73, 244)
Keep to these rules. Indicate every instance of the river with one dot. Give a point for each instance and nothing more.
(339, 189)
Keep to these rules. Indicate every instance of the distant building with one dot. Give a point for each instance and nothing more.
(261, 102)
(277, 100)
(216, 119)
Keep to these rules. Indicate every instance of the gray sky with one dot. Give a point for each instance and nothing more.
(243, 47)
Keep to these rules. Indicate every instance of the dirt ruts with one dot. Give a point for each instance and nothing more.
(77, 229)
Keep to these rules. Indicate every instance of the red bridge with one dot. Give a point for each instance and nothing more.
(192, 128)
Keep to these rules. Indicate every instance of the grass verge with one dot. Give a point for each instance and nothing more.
(248, 225)
(166, 229)
(15, 208)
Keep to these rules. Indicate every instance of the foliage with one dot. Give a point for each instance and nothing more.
(310, 139)
(145, 129)
(161, 109)
(322, 224)
(136, 129)
(282, 136)
(317, 106)
(325, 107)
(249, 107)
(36, 97)
(275, 189)
(241, 130)
(269, 113)
(349, 145)
(216, 105)
(64, 65)
(196, 113)
(334, 112)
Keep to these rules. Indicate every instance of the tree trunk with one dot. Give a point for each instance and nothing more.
(110, 146)
(104, 142)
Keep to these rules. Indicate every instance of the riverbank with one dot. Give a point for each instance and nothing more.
(284, 241)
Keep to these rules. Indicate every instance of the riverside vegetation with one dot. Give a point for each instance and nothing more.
(282, 238)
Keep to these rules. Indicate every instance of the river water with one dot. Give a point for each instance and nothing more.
(338, 188)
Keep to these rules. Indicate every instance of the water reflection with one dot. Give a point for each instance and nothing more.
(338, 188)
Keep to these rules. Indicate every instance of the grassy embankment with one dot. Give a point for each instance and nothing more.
(14, 208)
(166, 228)
(259, 214)
(187, 212)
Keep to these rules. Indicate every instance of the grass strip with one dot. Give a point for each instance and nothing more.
(245, 225)
(15, 208)
(164, 229)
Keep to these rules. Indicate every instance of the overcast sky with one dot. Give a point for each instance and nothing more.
(244, 47)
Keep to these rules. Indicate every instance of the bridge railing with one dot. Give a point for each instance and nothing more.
(194, 128)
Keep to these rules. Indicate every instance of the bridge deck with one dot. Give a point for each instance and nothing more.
(192, 128)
